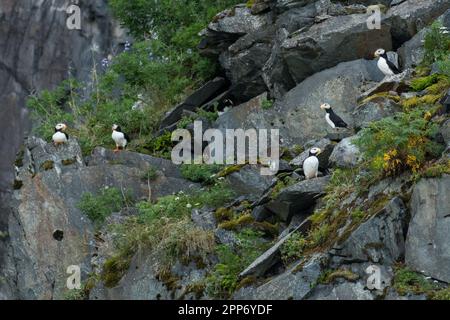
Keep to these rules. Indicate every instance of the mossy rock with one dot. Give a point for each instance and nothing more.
(47, 165)
(114, 269)
(69, 162)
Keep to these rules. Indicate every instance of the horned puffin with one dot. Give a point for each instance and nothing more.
(387, 67)
(60, 136)
(311, 164)
(120, 138)
(332, 118)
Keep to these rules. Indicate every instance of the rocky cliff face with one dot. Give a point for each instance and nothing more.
(298, 54)
(38, 51)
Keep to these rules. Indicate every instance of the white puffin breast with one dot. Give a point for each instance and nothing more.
(311, 167)
(59, 137)
(119, 138)
(383, 66)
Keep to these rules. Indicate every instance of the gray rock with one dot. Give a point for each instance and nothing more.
(407, 18)
(143, 281)
(226, 237)
(374, 110)
(204, 219)
(445, 132)
(345, 154)
(395, 84)
(297, 198)
(249, 182)
(343, 291)
(379, 240)
(239, 20)
(269, 258)
(427, 243)
(102, 156)
(201, 96)
(322, 46)
(296, 283)
(244, 61)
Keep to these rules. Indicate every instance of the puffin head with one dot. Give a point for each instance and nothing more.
(379, 53)
(60, 127)
(115, 127)
(325, 106)
(315, 151)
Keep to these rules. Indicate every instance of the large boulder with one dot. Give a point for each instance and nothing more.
(294, 284)
(47, 231)
(342, 291)
(201, 96)
(373, 110)
(428, 239)
(379, 240)
(297, 198)
(412, 51)
(144, 281)
(337, 39)
(409, 17)
(249, 182)
(346, 154)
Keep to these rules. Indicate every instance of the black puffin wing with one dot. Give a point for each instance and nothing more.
(392, 66)
(127, 137)
(341, 123)
(338, 121)
(67, 136)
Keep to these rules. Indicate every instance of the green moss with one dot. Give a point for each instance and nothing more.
(68, 162)
(223, 214)
(436, 170)
(246, 282)
(443, 294)
(330, 276)
(229, 170)
(239, 222)
(114, 269)
(421, 83)
(380, 97)
(170, 280)
(47, 165)
(407, 281)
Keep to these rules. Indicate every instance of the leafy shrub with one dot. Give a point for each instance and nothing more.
(437, 44)
(408, 281)
(404, 141)
(293, 248)
(99, 207)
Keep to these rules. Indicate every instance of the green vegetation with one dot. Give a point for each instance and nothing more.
(437, 44)
(293, 248)
(267, 104)
(164, 64)
(224, 279)
(330, 276)
(204, 173)
(99, 207)
(404, 141)
(407, 281)
(282, 183)
(165, 228)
